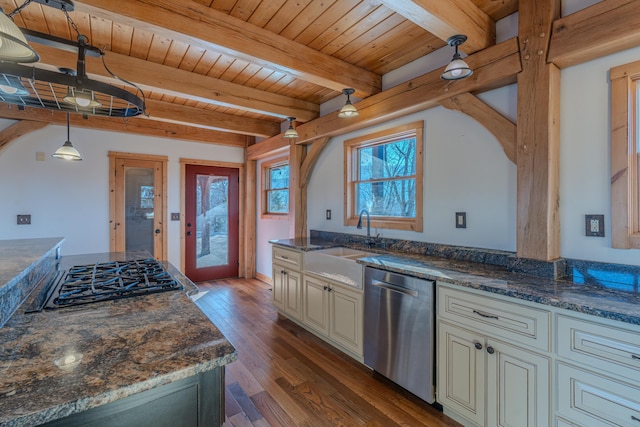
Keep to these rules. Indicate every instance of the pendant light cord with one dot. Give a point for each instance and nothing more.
(68, 127)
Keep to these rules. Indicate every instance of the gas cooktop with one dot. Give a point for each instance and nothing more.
(85, 284)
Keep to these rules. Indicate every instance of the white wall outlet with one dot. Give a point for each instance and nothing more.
(594, 225)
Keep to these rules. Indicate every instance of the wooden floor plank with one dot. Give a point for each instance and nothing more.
(288, 377)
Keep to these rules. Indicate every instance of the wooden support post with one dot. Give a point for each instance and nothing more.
(297, 192)
(538, 223)
(249, 215)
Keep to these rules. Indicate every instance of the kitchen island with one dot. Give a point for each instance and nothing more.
(151, 357)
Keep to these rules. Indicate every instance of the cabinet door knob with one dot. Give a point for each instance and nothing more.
(478, 346)
(326, 287)
(490, 350)
(329, 289)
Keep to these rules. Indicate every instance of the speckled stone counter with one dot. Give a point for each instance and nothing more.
(606, 299)
(123, 347)
(23, 264)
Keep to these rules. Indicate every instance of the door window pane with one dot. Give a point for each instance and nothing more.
(138, 183)
(212, 216)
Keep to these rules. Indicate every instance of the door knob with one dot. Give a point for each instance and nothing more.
(188, 233)
(157, 231)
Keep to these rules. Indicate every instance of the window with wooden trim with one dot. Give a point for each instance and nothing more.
(625, 153)
(275, 188)
(383, 175)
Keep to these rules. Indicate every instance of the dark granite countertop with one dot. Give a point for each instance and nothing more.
(122, 347)
(599, 300)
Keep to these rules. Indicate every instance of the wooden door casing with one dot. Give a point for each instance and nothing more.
(118, 161)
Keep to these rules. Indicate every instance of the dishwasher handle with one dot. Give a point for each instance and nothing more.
(394, 288)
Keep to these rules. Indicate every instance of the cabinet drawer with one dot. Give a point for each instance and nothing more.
(292, 259)
(602, 347)
(593, 400)
(501, 319)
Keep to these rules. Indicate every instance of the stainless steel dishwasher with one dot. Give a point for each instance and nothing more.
(399, 330)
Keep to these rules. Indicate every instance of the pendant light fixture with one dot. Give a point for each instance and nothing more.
(457, 68)
(291, 132)
(81, 98)
(348, 110)
(12, 86)
(67, 151)
(13, 44)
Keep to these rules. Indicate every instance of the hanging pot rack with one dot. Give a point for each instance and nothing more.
(47, 89)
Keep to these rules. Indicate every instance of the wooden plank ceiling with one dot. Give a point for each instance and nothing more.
(240, 67)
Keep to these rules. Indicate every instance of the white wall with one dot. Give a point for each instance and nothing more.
(585, 136)
(71, 199)
(465, 170)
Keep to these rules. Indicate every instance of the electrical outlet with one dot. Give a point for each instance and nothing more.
(328, 214)
(461, 220)
(24, 219)
(594, 225)
(175, 216)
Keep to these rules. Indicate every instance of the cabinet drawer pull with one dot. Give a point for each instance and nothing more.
(488, 316)
(284, 257)
(634, 418)
(635, 356)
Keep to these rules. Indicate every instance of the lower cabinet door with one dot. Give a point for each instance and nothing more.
(277, 295)
(461, 372)
(293, 294)
(518, 387)
(315, 305)
(593, 400)
(345, 319)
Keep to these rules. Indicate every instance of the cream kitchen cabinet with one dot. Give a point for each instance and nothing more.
(287, 281)
(489, 372)
(598, 371)
(333, 311)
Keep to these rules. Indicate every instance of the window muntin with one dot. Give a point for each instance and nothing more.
(384, 176)
(275, 200)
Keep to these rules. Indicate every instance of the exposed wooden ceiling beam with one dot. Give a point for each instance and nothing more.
(494, 67)
(602, 29)
(184, 84)
(445, 19)
(135, 125)
(208, 119)
(206, 28)
(19, 129)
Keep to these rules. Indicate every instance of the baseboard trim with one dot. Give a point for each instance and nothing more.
(263, 278)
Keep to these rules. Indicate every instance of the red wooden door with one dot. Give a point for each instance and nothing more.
(211, 220)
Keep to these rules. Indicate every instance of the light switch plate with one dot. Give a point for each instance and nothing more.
(461, 220)
(594, 225)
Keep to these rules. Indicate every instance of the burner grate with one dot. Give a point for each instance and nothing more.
(91, 283)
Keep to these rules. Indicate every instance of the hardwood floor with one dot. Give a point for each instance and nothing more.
(286, 376)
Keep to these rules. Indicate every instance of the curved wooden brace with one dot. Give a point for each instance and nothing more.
(500, 126)
(19, 129)
(310, 160)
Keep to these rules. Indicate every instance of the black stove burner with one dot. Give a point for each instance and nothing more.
(84, 284)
